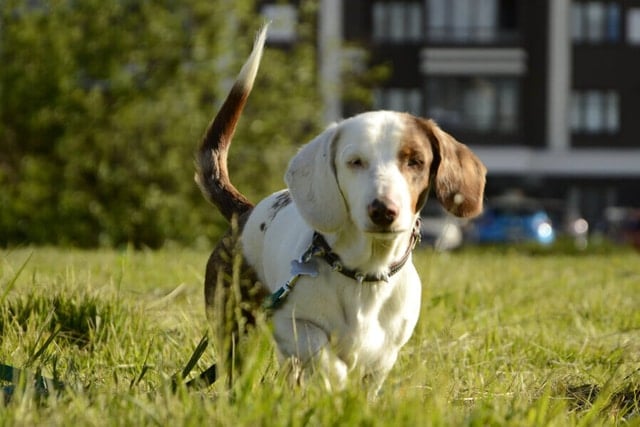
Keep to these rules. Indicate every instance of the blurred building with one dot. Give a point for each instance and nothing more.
(547, 92)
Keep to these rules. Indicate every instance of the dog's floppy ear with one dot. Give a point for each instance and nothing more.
(460, 176)
(311, 178)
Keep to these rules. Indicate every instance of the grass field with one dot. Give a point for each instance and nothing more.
(505, 338)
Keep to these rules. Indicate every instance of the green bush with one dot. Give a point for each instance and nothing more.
(103, 104)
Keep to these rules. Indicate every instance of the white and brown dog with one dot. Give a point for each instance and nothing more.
(342, 232)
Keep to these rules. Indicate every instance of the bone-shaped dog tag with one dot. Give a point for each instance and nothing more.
(308, 268)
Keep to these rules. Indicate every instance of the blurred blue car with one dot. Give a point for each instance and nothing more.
(513, 222)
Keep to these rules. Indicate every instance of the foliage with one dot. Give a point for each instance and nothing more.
(503, 339)
(103, 104)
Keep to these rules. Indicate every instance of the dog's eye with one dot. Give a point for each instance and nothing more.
(355, 163)
(415, 162)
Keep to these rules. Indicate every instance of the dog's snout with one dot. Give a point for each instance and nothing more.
(382, 213)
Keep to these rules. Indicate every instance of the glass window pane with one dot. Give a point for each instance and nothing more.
(379, 21)
(414, 22)
(613, 22)
(577, 22)
(577, 103)
(461, 19)
(633, 26)
(612, 108)
(397, 23)
(480, 104)
(595, 21)
(443, 95)
(378, 99)
(508, 106)
(594, 111)
(486, 20)
(395, 100)
(437, 21)
(414, 101)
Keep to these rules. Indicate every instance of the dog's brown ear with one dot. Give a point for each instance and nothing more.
(312, 181)
(460, 176)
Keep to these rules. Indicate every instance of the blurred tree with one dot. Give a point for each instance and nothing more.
(102, 105)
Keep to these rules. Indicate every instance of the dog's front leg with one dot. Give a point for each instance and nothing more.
(305, 347)
(372, 382)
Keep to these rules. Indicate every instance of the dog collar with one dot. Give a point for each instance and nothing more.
(321, 248)
(306, 266)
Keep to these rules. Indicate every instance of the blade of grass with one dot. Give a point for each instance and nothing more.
(197, 354)
(11, 283)
(193, 360)
(36, 355)
(145, 368)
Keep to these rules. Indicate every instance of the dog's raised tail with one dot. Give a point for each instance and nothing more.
(212, 175)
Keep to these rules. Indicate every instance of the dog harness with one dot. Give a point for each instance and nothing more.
(307, 265)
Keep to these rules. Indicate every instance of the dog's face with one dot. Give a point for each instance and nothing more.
(374, 171)
(382, 168)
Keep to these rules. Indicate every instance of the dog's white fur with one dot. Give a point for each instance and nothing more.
(331, 321)
(332, 318)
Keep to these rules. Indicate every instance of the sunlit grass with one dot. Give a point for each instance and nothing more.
(505, 338)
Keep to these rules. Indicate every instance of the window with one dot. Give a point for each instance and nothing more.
(475, 104)
(595, 111)
(633, 26)
(398, 99)
(471, 21)
(397, 21)
(595, 22)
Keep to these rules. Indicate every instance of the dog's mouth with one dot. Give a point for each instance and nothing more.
(384, 233)
(387, 231)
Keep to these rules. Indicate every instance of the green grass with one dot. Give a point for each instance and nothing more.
(505, 338)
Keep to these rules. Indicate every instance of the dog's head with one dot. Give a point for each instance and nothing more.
(375, 169)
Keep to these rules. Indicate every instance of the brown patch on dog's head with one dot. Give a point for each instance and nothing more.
(415, 158)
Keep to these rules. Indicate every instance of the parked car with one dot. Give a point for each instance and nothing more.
(513, 220)
(440, 229)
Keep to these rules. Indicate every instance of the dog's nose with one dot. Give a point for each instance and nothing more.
(382, 213)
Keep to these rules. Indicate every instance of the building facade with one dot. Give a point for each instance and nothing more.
(546, 92)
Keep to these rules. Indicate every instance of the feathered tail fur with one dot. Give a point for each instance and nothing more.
(212, 175)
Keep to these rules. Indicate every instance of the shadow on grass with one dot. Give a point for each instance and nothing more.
(76, 320)
(623, 403)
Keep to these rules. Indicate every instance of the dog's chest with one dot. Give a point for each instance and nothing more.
(372, 327)
(364, 340)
